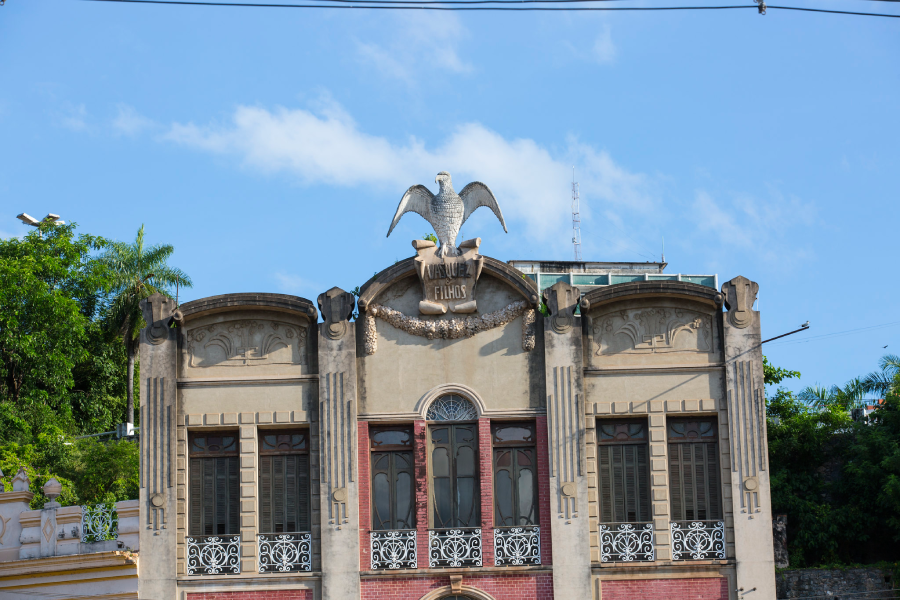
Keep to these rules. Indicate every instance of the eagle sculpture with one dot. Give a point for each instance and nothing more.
(446, 211)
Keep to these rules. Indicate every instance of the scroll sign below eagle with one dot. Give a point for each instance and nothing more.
(449, 273)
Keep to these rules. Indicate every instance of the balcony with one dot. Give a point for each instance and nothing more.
(517, 546)
(627, 542)
(698, 540)
(284, 552)
(214, 555)
(454, 547)
(394, 549)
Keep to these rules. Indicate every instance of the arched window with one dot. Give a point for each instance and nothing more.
(454, 463)
(451, 408)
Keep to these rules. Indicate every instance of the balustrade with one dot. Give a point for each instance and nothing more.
(517, 546)
(698, 540)
(454, 547)
(627, 542)
(214, 555)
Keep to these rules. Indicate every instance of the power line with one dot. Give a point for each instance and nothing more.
(361, 4)
(837, 333)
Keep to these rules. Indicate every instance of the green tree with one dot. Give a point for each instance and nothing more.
(887, 379)
(137, 272)
(48, 293)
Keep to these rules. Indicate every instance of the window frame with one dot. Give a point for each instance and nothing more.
(391, 451)
(453, 477)
(714, 506)
(304, 484)
(514, 446)
(222, 466)
(641, 473)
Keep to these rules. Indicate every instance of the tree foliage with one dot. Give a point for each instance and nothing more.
(63, 371)
(837, 479)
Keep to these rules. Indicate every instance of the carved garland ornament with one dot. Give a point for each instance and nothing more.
(450, 328)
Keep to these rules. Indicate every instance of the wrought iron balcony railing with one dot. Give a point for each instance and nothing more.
(214, 555)
(517, 546)
(99, 523)
(394, 549)
(627, 542)
(698, 540)
(284, 552)
(454, 547)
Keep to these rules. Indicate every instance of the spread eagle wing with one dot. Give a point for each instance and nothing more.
(417, 199)
(475, 195)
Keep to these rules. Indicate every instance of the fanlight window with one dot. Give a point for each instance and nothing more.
(451, 408)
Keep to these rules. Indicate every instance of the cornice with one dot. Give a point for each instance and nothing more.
(242, 301)
(650, 289)
(72, 562)
(407, 268)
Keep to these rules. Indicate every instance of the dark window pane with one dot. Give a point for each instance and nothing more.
(465, 462)
(440, 462)
(283, 482)
(694, 470)
(466, 501)
(391, 437)
(381, 490)
(404, 501)
(521, 433)
(526, 497)
(443, 502)
(440, 435)
(504, 497)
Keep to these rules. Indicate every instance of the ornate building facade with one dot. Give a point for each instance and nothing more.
(461, 429)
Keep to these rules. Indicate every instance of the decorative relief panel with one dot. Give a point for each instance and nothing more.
(747, 420)
(564, 420)
(653, 330)
(247, 343)
(157, 455)
(337, 420)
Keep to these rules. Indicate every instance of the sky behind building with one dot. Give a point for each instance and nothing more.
(271, 146)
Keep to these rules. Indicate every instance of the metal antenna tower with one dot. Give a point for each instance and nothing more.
(576, 218)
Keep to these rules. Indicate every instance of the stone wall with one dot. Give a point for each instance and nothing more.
(837, 584)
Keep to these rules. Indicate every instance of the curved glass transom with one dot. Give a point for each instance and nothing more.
(451, 408)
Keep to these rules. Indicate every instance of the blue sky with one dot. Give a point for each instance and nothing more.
(271, 147)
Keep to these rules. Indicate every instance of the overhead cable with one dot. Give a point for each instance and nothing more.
(368, 5)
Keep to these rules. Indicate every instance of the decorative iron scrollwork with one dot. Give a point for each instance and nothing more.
(98, 523)
(454, 547)
(214, 555)
(284, 552)
(394, 549)
(698, 540)
(517, 546)
(626, 542)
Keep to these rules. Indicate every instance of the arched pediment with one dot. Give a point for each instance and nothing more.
(650, 289)
(381, 282)
(248, 301)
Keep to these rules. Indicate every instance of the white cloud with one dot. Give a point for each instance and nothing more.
(427, 40)
(128, 121)
(604, 50)
(762, 225)
(74, 117)
(328, 147)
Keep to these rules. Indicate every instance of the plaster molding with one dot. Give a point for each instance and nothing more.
(650, 289)
(380, 282)
(493, 413)
(464, 590)
(210, 382)
(233, 302)
(51, 564)
(7, 497)
(445, 390)
(650, 369)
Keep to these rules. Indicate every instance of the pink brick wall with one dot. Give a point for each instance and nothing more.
(487, 492)
(365, 516)
(502, 587)
(421, 458)
(712, 588)
(261, 595)
(543, 480)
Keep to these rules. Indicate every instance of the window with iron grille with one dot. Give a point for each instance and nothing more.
(393, 492)
(454, 475)
(515, 474)
(694, 481)
(214, 484)
(283, 481)
(624, 471)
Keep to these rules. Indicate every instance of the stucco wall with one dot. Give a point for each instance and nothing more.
(405, 367)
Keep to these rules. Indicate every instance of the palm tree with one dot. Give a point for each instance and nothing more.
(882, 382)
(849, 396)
(136, 273)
